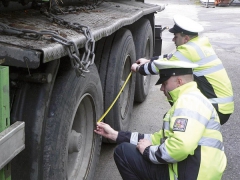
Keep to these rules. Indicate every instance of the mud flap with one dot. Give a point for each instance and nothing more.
(158, 41)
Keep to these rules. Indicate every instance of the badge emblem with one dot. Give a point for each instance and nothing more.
(180, 124)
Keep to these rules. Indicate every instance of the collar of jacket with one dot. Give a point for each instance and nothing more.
(188, 87)
(203, 39)
(183, 46)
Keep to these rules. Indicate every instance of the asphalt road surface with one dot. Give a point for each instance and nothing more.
(222, 27)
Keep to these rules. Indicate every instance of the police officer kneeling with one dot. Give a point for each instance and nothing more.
(188, 147)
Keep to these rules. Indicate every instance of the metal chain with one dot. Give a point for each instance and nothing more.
(88, 56)
(80, 64)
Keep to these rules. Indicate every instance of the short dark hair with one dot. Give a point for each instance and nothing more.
(191, 36)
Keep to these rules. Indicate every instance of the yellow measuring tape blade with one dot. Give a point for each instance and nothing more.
(101, 118)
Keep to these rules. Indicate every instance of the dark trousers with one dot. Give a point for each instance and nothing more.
(223, 117)
(132, 166)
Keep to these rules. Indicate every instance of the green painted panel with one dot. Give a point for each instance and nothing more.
(5, 173)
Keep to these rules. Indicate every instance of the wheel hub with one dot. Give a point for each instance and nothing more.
(75, 142)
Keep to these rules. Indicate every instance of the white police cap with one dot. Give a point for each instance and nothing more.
(173, 68)
(185, 25)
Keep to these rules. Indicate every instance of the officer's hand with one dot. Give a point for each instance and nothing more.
(142, 144)
(142, 61)
(106, 131)
(134, 67)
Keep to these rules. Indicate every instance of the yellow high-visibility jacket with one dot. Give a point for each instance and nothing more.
(190, 141)
(210, 75)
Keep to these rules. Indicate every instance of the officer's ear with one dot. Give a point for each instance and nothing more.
(180, 81)
(187, 38)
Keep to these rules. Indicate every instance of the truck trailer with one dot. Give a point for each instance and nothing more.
(66, 62)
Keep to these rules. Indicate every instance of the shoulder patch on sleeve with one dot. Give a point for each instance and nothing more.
(180, 124)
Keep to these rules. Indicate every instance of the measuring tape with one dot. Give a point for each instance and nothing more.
(101, 118)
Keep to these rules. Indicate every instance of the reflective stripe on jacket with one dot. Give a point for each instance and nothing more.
(199, 51)
(193, 150)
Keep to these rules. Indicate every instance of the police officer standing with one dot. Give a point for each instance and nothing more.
(188, 147)
(210, 75)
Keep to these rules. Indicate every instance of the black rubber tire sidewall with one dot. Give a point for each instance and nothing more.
(123, 45)
(110, 57)
(142, 31)
(66, 94)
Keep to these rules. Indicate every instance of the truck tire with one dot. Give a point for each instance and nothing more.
(30, 103)
(71, 148)
(114, 57)
(143, 39)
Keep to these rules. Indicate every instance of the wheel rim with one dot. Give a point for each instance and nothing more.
(125, 95)
(81, 140)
